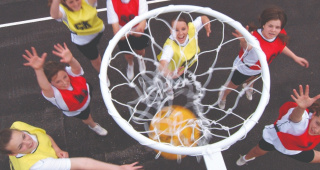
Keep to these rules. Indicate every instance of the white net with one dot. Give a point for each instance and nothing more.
(134, 104)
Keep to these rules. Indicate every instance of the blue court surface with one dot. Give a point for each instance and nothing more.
(26, 23)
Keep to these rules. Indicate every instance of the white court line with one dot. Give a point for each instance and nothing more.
(49, 18)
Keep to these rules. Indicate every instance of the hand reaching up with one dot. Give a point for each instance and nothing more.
(63, 52)
(131, 166)
(33, 59)
(302, 98)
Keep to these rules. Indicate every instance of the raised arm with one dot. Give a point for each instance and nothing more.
(88, 163)
(66, 57)
(207, 25)
(36, 63)
(60, 153)
(92, 2)
(54, 10)
(301, 61)
(303, 100)
(243, 42)
(163, 68)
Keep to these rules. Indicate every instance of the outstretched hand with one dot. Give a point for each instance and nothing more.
(139, 29)
(180, 71)
(131, 166)
(301, 61)
(302, 98)
(63, 52)
(33, 59)
(237, 34)
(62, 154)
(206, 24)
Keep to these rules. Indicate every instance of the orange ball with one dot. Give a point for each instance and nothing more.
(175, 125)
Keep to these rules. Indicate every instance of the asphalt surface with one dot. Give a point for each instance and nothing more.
(20, 97)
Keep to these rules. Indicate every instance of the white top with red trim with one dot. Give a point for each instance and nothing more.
(58, 101)
(113, 17)
(251, 58)
(286, 126)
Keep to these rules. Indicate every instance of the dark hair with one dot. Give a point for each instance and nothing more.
(51, 68)
(182, 18)
(5, 137)
(272, 13)
(315, 108)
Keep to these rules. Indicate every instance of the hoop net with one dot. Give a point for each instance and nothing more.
(133, 104)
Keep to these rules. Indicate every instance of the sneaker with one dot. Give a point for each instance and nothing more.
(108, 82)
(249, 92)
(130, 73)
(142, 65)
(222, 103)
(99, 130)
(241, 161)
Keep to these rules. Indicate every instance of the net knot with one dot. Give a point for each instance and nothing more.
(131, 84)
(218, 48)
(226, 128)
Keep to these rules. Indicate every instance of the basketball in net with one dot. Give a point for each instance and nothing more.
(175, 125)
(148, 107)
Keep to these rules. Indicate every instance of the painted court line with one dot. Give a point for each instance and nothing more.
(49, 18)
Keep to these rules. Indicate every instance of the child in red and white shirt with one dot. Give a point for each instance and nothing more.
(295, 133)
(64, 86)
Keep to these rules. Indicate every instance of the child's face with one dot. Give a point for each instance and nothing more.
(314, 127)
(75, 5)
(61, 80)
(181, 31)
(271, 29)
(21, 143)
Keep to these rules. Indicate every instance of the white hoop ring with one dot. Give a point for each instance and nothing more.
(198, 150)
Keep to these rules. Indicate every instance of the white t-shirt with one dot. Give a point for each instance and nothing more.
(79, 39)
(167, 52)
(113, 17)
(250, 58)
(286, 126)
(52, 163)
(58, 101)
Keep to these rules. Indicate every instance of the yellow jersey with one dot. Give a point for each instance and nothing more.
(43, 151)
(183, 56)
(85, 21)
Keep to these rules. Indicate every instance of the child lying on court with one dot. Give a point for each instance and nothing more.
(295, 133)
(64, 86)
(29, 147)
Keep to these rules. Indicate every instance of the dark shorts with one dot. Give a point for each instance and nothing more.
(136, 43)
(239, 78)
(304, 156)
(90, 50)
(84, 114)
